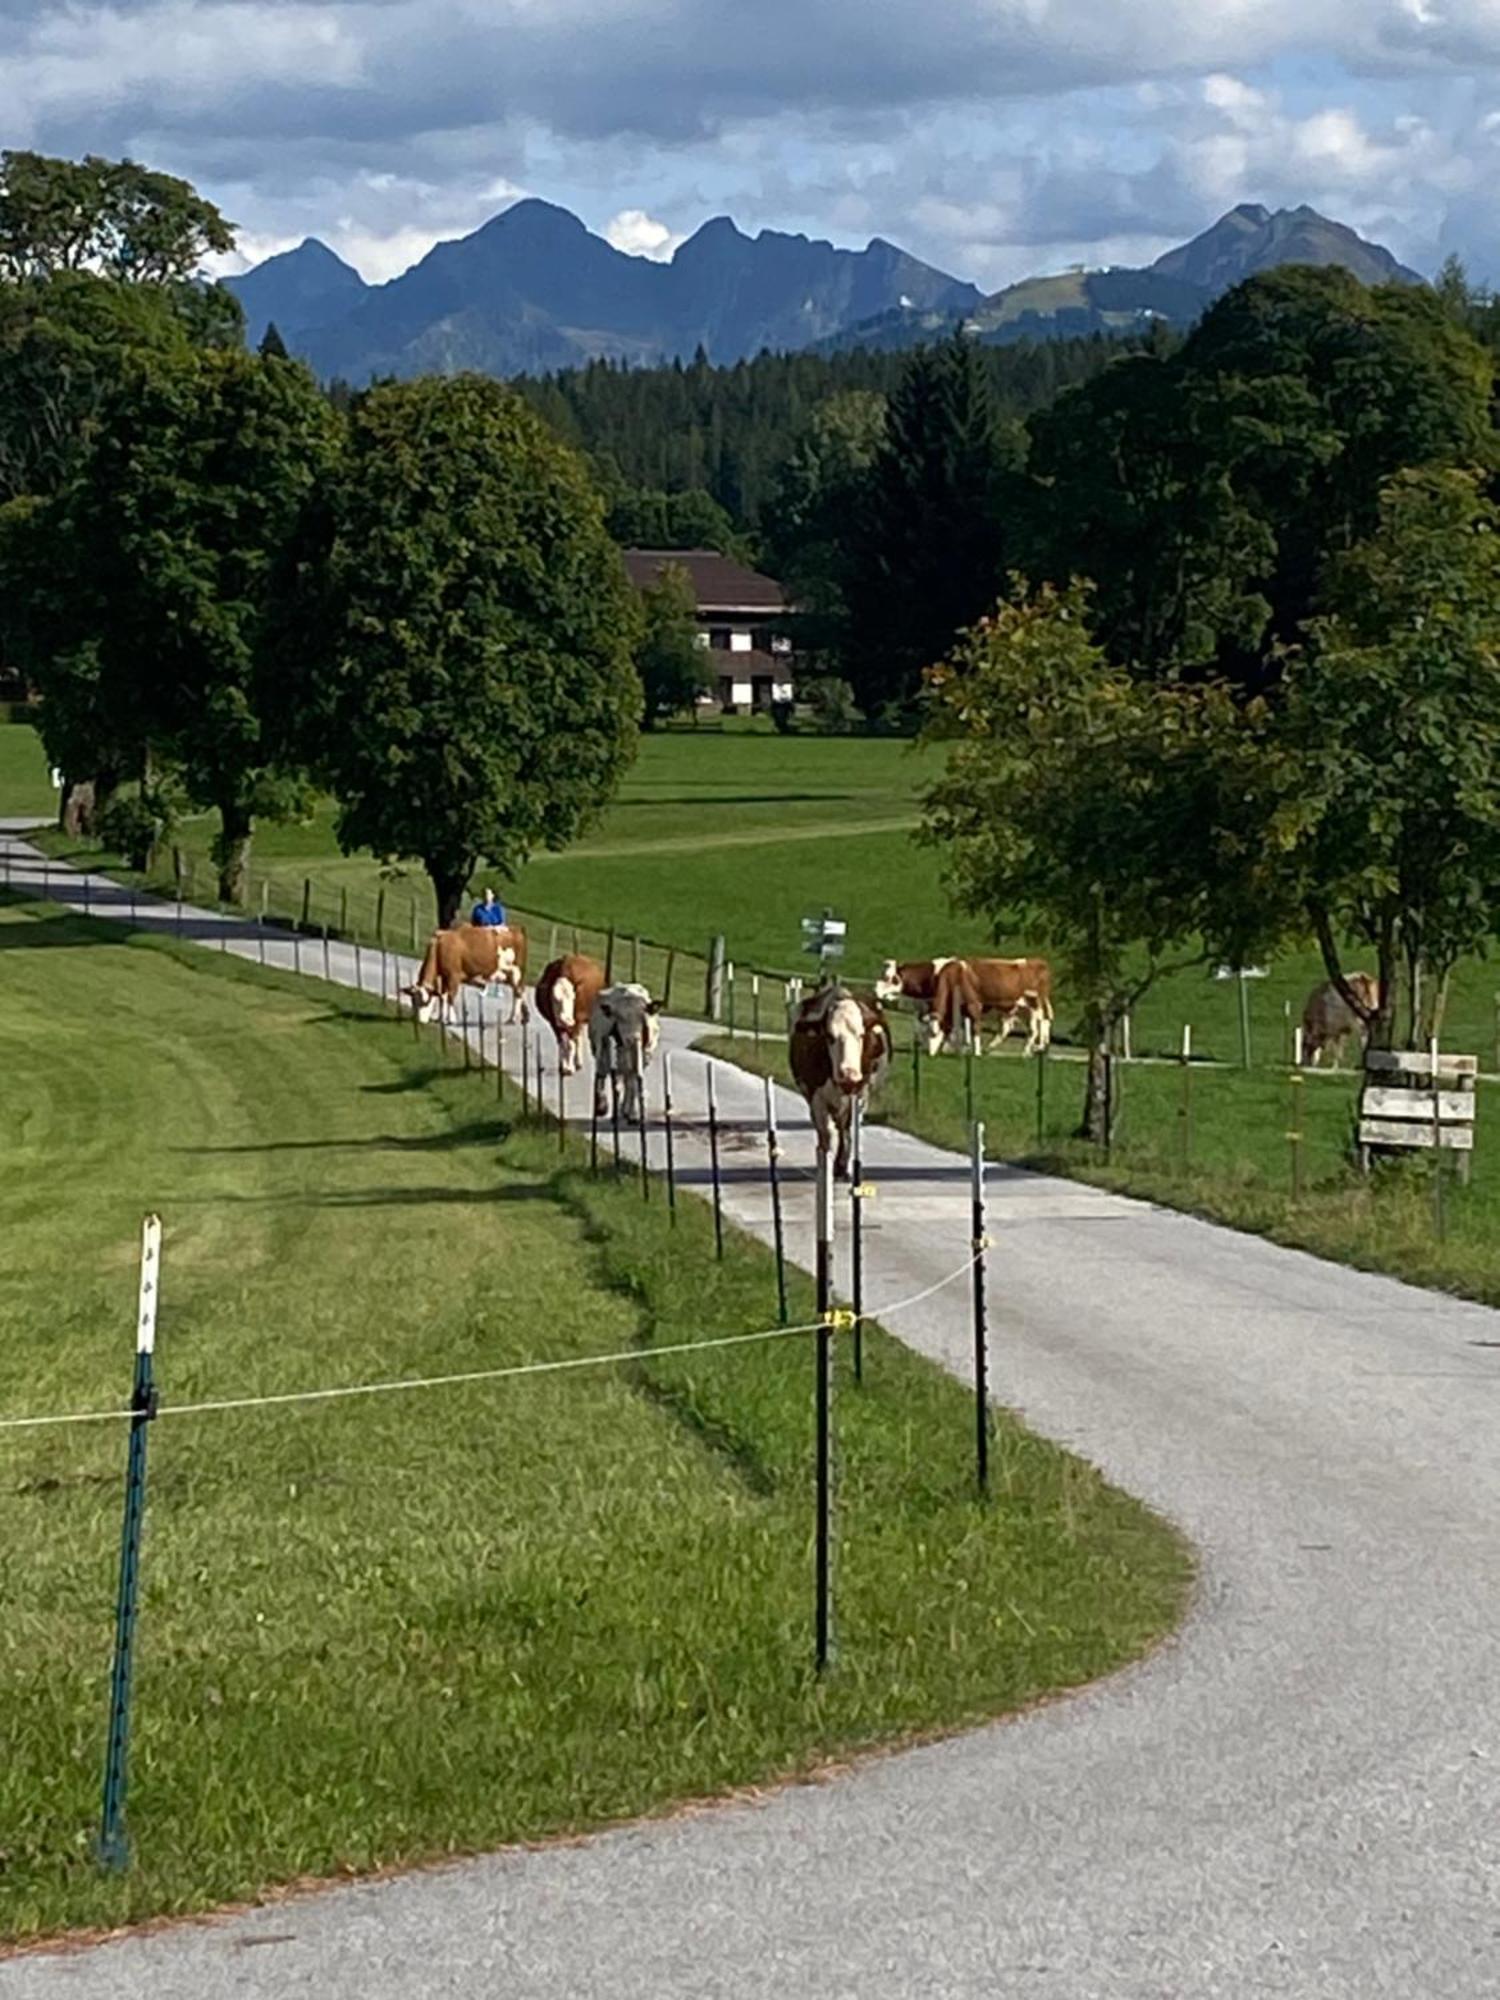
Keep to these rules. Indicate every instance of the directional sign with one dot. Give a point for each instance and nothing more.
(824, 936)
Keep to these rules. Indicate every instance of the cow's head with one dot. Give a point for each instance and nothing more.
(844, 1024)
(888, 986)
(935, 1033)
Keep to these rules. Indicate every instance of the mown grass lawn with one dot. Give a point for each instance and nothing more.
(25, 783)
(1230, 1160)
(744, 834)
(385, 1629)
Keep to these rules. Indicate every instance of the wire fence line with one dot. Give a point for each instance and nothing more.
(564, 1365)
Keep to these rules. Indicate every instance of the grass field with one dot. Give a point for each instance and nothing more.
(1237, 1167)
(25, 787)
(744, 834)
(397, 1627)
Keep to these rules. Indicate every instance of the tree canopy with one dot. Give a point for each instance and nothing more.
(155, 574)
(674, 668)
(111, 217)
(474, 628)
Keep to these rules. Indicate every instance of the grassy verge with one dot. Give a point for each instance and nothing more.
(25, 785)
(387, 1629)
(1229, 1161)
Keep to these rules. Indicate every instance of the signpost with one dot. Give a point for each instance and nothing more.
(1242, 973)
(824, 938)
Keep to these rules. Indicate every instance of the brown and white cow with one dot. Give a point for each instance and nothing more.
(470, 955)
(910, 979)
(840, 1051)
(1010, 990)
(623, 1032)
(565, 997)
(1328, 1020)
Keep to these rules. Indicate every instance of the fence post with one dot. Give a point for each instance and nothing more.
(562, 1102)
(713, 985)
(609, 957)
(463, 1021)
(306, 902)
(635, 958)
(1185, 1111)
(857, 1234)
(1244, 1018)
(594, 1125)
(641, 1123)
(981, 1316)
(773, 1175)
(823, 1413)
(713, 1155)
(114, 1850)
(1041, 1097)
(359, 969)
(344, 911)
(916, 1063)
(1294, 1123)
(666, 991)
(666, 1089)
(755, 1009)
(968, 1070)
(526, 1068)
(1439, 1219)
(380, 915)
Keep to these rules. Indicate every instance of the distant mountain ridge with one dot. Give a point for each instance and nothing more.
(534, 290)
(1175, 290)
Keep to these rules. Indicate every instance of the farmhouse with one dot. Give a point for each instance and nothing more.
(739, 612)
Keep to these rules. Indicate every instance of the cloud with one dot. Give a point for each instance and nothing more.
(641, 235)
(993, 136)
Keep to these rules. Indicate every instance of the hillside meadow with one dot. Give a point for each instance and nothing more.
(387, 1629)
(743, 833)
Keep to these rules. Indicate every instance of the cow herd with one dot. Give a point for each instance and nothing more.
(840, 1041)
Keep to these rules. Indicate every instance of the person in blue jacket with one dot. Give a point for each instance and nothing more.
(490, 911)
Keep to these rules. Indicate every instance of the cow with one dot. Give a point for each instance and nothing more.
(566, 995)
(840, 1050)
(470, 955)
(623, 1033)
(1010, 989)
(1328, 1020)
(909, 979)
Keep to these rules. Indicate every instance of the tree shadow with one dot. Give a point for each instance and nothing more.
(488, 1133)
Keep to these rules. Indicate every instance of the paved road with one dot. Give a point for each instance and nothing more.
(1296, 1798)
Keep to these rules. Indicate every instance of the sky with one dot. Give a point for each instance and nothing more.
(995, 138)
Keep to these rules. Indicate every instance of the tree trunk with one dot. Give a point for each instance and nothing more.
(449, 881)
(75, 813)
(232, 852)
(1096, 1105)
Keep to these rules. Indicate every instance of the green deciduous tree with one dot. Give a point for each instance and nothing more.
(154, 579)
(928, 545)
(1206, 492)
(472, 629)
(1105, 818)
(112, 217)
(1386, 745)
(673, 667)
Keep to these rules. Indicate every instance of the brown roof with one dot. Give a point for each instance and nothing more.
(720, 584)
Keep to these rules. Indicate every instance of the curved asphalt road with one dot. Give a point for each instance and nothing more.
(1297, 1797)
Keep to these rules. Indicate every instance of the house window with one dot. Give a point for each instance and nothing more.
(718, 638)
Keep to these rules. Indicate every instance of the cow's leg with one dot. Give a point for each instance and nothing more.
(842, 1118)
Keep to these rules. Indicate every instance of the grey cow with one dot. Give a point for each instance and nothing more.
(623, 1033)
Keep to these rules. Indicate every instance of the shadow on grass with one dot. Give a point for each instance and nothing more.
(380, 1197)
(491, 1132)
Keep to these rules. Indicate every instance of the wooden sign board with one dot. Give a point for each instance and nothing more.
(1414, 1099)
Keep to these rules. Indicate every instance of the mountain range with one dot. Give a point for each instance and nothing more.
(533, 290)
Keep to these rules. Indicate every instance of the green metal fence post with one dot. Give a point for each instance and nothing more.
(114, 1849)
